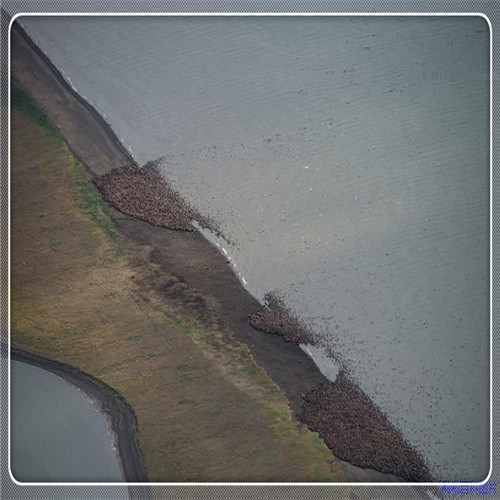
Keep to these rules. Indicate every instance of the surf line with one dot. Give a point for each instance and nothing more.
(212, 238)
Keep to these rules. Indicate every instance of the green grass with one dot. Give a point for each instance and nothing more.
(22, 101)
(90, 200)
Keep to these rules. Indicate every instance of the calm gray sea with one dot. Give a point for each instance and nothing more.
(346, 159)
(58, 434)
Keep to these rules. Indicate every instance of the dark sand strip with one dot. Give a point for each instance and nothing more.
(89, 136)
(205, 286)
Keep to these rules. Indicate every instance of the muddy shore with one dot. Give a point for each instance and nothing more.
(204, 285)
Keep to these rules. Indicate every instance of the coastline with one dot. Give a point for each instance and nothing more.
(113, 405)
(84, 295)
(171, 252)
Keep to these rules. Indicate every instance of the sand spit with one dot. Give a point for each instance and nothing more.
(143, 193)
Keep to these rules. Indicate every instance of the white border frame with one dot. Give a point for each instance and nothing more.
(256, 14)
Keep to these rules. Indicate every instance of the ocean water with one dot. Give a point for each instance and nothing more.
(58, 434)
(346, 160)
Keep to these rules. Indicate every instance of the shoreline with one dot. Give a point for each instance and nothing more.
(94, 143)
(110, 402)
